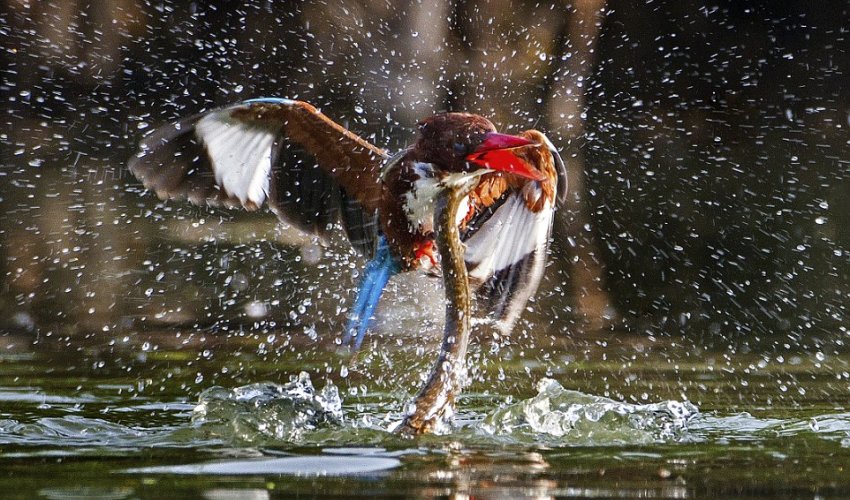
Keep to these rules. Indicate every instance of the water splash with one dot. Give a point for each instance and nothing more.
(574, 418)
(296, 413)
(269, 411)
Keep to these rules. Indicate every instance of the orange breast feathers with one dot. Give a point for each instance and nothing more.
(536, 193)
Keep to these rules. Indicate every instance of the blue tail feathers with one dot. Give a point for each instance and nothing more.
(377, 273)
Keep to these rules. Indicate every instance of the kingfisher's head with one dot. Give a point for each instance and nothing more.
(464, 142)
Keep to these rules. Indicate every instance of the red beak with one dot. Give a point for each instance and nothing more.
(495, 153)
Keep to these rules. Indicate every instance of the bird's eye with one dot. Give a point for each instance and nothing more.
(460, 148)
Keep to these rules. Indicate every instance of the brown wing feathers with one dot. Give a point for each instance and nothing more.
(238, 156)
(350, 160)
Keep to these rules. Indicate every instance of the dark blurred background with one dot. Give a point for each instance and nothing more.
(707, 143)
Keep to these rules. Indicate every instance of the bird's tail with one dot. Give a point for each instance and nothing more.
(377, 273)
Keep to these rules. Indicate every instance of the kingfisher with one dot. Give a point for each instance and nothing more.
(384, 203)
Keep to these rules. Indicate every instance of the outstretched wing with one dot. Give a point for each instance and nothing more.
(236, 156)
(507, 239)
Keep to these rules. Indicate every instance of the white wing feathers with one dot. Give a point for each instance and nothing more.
(240, 154)
(506, 256)
(510, 234)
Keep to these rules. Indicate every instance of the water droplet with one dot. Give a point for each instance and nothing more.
(311, 332)
(813, 425)
(255, 309)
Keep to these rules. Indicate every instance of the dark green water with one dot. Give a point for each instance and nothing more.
(115, 420)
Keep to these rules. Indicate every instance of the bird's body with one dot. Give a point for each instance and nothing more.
(233, 156)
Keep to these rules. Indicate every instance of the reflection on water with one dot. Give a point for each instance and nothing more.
(327, 465)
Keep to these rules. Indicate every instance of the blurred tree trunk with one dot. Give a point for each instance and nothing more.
(563, 107)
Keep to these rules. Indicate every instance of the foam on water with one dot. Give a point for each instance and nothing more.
(266, 410)
(573, 418)
(297, 413)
